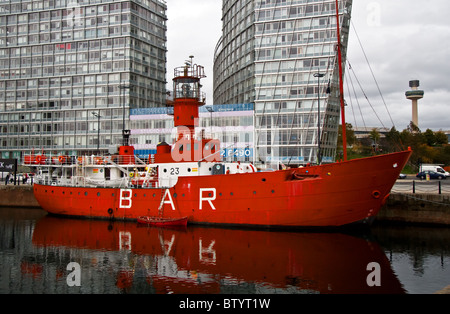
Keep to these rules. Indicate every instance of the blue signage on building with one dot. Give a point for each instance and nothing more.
(215, 108)
(237, 152)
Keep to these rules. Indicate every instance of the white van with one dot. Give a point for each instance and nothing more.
(434, 168)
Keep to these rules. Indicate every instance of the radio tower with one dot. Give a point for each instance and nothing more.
(414, 95)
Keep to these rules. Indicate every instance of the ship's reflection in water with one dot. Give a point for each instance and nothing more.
(118, 257)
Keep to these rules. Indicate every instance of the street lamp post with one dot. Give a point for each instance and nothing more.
(211, 110)
(319, 157)
(97, 115)
(125, 133)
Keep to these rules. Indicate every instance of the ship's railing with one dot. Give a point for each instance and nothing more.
(49, 160)
(82, 181)
(142, 182)
(190, 70)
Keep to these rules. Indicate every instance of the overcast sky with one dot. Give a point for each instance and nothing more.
(402, 39)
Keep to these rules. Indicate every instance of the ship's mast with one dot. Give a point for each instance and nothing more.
(341, 84)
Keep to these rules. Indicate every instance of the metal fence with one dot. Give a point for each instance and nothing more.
(424, 187)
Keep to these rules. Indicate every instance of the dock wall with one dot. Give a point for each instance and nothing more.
(433, 209)
(17, 196)
(416, 209)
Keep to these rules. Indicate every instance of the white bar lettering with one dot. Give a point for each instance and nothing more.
(125, 201)
(170, 201)
(211, 197)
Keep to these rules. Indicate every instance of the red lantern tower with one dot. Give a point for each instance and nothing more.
(187, 98)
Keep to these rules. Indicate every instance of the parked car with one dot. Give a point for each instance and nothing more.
(433, 175)
(402, 176)
(435, 169)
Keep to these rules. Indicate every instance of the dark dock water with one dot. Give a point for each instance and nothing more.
(43, 254)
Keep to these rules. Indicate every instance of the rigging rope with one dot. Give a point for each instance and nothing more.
(364, 93)
(356, 98)
(398, 143)
(351, 103)
(371, 71)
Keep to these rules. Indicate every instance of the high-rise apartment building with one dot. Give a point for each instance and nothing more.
(281, 55)
(70, 71)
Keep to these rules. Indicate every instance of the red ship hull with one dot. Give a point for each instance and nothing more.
(318, 196)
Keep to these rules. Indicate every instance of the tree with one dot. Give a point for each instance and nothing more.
(412, 128)
(441, 138)
(350, 133)
(443, 156)
(351, 139)
(427, 147)
(393, 134)
(430, 137)
(375, 136)
(393, 141)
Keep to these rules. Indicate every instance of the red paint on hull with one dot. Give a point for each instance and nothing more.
(327, 195)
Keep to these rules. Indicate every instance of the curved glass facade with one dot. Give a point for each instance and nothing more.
(268, 55)
(235, 55)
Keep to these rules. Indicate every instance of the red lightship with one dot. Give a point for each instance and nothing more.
(188, 181)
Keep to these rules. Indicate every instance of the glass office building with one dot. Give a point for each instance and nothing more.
(232, 124)
(268, 55)
(70, 71)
